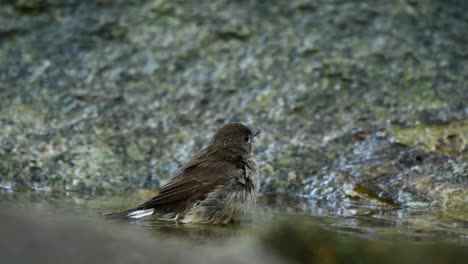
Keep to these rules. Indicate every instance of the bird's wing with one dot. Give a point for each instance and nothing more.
(194, 182)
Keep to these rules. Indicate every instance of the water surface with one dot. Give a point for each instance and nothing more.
(356, 219)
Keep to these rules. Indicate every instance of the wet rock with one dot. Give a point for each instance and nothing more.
(357, 100)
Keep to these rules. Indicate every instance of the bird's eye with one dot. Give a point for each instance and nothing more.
(247, 139)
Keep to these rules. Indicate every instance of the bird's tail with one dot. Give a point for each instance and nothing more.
(134, 213)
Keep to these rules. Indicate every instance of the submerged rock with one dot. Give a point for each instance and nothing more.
(306, 243)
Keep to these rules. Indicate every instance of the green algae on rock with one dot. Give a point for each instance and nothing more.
(446, 138)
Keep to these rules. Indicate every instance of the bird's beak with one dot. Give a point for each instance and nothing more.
(255, 133)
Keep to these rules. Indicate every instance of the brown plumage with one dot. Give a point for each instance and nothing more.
(218, 185)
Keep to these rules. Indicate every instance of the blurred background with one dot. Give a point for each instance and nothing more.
(363, 107)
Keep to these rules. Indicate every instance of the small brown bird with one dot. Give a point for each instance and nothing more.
(218, 185)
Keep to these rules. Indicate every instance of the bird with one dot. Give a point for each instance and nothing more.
(218, 185)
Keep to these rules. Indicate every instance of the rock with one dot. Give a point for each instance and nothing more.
(101, 96)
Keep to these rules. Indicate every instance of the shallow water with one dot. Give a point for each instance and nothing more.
(354, 219)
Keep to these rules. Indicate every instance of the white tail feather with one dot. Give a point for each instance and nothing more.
(141, 213)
